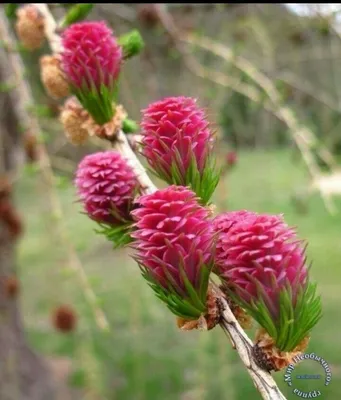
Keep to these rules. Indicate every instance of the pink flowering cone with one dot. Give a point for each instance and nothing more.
(177, 143)
(91, 54)
(261, 260)
(106, 186)
(174, 245)
(91, 61)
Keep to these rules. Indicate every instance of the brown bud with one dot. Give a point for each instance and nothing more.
(11, 218)
(53, 77)
(5, 187)
(64, 319)
(30, 27)
(204, 322)
(73, 117)
(10, 286)
(147, 14)
(30, 145)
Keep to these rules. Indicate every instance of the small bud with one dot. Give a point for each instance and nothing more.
(53, 77)
(132, 43)
(129, 126)
(11, 218)
(10, 286)
(10, 10)
(76, 13)
(73, 117)
(231, 158)
(64, 319)
(147, 15)
(30, 27)
(30, 145)
(5, 187)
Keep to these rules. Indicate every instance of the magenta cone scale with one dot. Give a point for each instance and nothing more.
(259, 249)
(262, 262)
(106, 186)
(177, 143)
(174, 242)
(91, 61)
(91, 55)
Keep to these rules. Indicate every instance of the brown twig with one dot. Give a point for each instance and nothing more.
(29, 121)
(262, 379)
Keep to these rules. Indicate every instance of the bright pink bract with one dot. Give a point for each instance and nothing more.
(173, 131)
(259, 254)
(173, 232)
(91, 55)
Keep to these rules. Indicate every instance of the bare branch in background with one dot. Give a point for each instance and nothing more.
(29, 122)
(302, 135)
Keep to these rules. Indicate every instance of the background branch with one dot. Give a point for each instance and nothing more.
(30, 123)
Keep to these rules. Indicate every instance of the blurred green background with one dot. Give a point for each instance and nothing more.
(145, 356)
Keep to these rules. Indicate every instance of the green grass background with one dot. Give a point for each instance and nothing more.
(145, 356)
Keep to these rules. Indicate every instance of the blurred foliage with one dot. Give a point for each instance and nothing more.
(10, 10)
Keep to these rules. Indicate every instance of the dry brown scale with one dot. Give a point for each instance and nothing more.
(269, 357)
(109, 130)
(242, 317)
(204, 322)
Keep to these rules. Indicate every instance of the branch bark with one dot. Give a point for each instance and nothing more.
(263, 380)
(23, 374)
(29, 122)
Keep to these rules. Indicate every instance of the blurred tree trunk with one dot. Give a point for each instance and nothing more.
(23, 375)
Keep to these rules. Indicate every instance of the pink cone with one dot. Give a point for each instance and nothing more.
(171, 125)
(172, 229)
(106, 184)
(91, 55)
(259, 249)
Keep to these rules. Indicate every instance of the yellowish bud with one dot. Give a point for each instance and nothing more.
(30, 27)
(74, 117)
(53, 77)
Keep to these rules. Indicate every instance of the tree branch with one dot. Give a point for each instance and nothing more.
(263, 380)
(29, 122)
